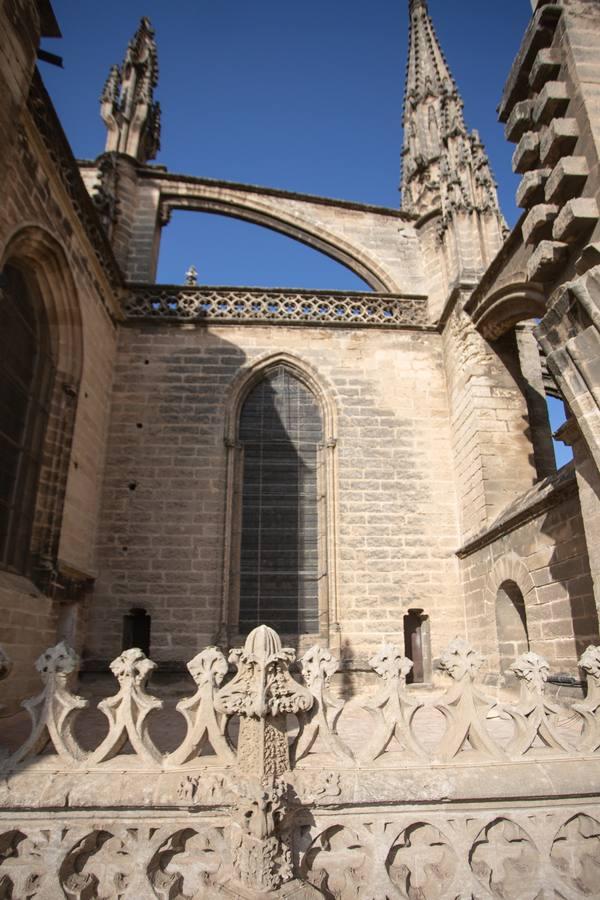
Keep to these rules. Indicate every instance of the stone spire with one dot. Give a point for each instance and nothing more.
(443, 166)
(127, 104)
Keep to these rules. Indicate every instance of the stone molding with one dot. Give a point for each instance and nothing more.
(57, 146)
(545, 495)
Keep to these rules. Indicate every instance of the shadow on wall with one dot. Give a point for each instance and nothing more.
(574, 615)
(160, 541)
(161, 545)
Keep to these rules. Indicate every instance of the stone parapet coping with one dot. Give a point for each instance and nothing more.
(544, 495)
(41, 786)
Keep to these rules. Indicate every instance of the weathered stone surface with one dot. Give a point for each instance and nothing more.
(559, 139)
(576, 218)
(531, 188)
(527, 152)
(538, 224)
(519, 121)
(551, 102)
(547, 260)
(545, 67)
(566, 179)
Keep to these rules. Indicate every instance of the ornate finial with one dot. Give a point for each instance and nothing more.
(191, 276)
(127, 104)
(443, 166)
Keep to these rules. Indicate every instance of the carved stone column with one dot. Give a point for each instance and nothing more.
(262, 693)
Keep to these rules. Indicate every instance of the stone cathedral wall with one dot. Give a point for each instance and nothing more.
(162, 531)
(40, 230)
(542, 549)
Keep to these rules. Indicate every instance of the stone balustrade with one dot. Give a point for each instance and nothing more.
(287, 803)
(220, 304)
(468, 713)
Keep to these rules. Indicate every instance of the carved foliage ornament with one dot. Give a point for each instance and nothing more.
(590, 707)
(128, 709)
(320, 722)
(533, 713)
(54, 710)
(262, 685)
(391, 709)
(206, 727)
(465, 706)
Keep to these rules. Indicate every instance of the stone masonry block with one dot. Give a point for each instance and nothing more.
(548, 258)
(527, 152)
(531, 188)
(551, 102)
(546, 67)
(538, 223)
(519, 121)
(590, 256)
(566, 179)
(575, 219)
(558, 139)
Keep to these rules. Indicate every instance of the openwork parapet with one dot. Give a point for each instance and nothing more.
(287, 804)
(257, 305)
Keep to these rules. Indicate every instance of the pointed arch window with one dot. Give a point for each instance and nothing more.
(27, 374)
(281, 563)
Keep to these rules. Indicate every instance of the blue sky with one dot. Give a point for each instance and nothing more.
(305, 96)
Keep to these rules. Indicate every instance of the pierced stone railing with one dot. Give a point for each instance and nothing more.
(218, 304)
(305, 809)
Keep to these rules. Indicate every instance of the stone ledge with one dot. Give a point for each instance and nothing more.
(527, 152)
(590, 257)
(547, 260)
(576, 218)
(531, 188)
(42, 788)
(519, 121)
(538, 36)
(546, 67)
(566, 179)
(538, 224)
(543, 496)
(558, 139)
(551, 102)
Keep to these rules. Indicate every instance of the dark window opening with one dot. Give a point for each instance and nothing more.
(281, 433)
(26, 379)
(416, 645)
(136, 630)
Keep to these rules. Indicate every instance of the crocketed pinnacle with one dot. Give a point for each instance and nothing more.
(127, 104)
(443, 167)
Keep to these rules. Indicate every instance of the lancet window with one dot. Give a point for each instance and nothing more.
(27, 374)
(281, 566)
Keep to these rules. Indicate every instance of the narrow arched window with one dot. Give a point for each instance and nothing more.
(26, 377)
(280, 431)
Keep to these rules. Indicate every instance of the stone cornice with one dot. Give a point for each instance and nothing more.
(544, 496)
(57, 146)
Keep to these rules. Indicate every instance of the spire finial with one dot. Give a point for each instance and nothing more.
(128, 108)
(444, 167)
